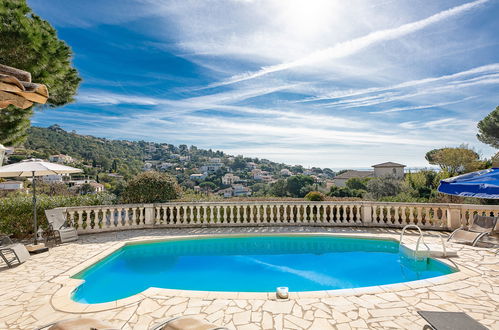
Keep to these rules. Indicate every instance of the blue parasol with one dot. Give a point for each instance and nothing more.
(480, 184)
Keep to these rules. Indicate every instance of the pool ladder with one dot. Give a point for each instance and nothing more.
(421, 239)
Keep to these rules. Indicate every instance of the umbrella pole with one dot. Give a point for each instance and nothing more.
(34, 207)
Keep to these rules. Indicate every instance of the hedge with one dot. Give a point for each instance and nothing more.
(16, 212)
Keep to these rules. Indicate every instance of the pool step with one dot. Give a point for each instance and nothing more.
(433, 251)
(421, 249)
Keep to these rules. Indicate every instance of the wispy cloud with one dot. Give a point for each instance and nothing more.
(354, 83)
(353, 46)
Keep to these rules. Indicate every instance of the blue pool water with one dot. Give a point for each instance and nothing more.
(251, 264)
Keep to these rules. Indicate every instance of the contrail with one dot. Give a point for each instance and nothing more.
(353, 46)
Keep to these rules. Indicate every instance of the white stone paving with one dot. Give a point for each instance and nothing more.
(26, 292)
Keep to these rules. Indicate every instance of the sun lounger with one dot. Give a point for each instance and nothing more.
(480, 226)
(450, 321)
(57, 222)
(187, 323)
(12, 253)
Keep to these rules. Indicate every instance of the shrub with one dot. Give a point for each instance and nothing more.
(151, 187)
(16, 211)
(345, 192)
(383, 186)
(315, 196)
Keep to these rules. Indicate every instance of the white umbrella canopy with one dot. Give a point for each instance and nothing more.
(35, 167)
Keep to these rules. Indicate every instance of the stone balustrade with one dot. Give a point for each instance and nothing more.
(93, 219)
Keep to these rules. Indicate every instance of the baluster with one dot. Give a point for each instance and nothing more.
(264, 217)
(357, 215)
(419, 218)
(117, 217)
(425, 215)
(186, 214)
(251, 213)
(285, 214)
(84, 223)
(244, 215)
(349, 219)
(194, 214)
(237, 215)
(443, 219)
(331, 213)
(271, 215)
(298, 214)
(224, 214)
(411, 215)
(208, 217)
(71, 216)
(338, 213)
(396, 217)
(258, 213)
(178, 214)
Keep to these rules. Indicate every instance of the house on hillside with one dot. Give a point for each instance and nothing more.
(61, 159)
(54, 178)
(341, 180)
(11, 185)
(237, 190)
(251, 165)
(230, 178)
(389, 169)
(99, 187)
(212, 166)
(260, 175)
(395, 170)
(198, 176)
(286, 172)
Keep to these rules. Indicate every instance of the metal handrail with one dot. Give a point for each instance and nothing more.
(420, 239)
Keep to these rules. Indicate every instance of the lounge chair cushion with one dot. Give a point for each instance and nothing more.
(465, 236)
(18, 249)
(80, 324)
(482, 224)
(451, 321)
(67, 234)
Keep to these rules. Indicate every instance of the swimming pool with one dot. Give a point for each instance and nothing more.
(251, 264)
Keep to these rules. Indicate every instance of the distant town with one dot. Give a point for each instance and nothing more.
(199, 171)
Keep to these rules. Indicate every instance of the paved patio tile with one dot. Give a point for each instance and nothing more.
(30, 294)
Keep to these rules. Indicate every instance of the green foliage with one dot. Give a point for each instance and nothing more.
(30, 43)
(16, 211)
(279, 188)
(151, 187)
(488, 129)
(208, 186)
(315, 196)
(52, 189)
(357, 183)
(336, 191)
(14, 123)
(238, 164)
(295, 184)
(456, 160)
(383, 186)
(97, 152)
(85, 189)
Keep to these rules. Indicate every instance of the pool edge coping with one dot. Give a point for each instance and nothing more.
(61, 300)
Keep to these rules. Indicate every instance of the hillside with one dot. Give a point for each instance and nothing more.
(100, 157)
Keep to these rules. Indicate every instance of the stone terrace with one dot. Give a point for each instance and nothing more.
(26, 292)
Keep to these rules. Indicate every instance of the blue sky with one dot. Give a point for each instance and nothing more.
(328, 83)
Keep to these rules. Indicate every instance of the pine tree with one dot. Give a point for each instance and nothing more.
(30, 43)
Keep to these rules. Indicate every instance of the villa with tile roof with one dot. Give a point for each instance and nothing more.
(384, 169)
